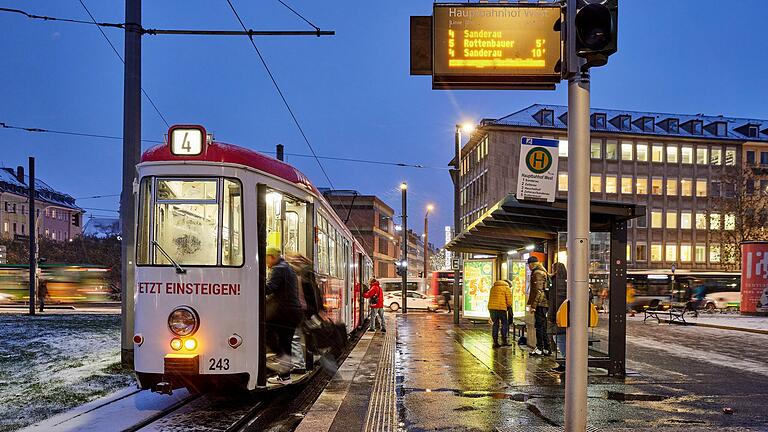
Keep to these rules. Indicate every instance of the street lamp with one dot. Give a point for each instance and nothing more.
(404, 276)
(430, 207)
(468, 128)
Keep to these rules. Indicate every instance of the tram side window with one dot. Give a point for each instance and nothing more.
(332, 253)
(145, 208)
(274, 219)
(322, 245)
(295, 227)
(232, 225)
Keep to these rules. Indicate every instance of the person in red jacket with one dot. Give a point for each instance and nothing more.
(376, 297)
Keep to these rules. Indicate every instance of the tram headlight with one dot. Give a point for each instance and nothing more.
(190, 344)
(183, 321)
(176, 344)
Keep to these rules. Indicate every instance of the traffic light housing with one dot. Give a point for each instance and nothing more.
(399, 269)
(597, 23)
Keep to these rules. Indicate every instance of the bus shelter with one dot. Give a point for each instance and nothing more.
(502, 237)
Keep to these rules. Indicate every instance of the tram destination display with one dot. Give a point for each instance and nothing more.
(510, 46)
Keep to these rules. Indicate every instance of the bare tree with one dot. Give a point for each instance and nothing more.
(742, 209)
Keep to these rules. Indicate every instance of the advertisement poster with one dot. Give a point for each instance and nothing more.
(517, 272)
(754, 278)
(478, 280)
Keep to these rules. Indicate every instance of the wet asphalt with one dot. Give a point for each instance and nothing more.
(680, 378)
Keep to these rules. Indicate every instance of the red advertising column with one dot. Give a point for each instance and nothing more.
(754, 278)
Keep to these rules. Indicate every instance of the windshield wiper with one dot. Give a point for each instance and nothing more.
(179, 269)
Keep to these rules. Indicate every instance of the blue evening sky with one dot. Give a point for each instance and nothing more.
(352, 92)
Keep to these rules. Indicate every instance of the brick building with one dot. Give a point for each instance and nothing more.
(370, 220)
(671, 163)
(58, 217)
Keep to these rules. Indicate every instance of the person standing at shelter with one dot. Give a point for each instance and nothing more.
(558, 295)
(447, 300)
(376, 297)
(499, 300)
(284, 313)
(538, 303)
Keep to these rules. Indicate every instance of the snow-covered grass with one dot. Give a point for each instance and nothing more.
(52, 363)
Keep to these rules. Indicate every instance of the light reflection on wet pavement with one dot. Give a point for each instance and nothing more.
(451, 379)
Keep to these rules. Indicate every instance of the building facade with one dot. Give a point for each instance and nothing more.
(673, 164)
(58, 217)
(371, 222)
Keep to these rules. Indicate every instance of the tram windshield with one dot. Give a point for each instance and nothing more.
(195, 221)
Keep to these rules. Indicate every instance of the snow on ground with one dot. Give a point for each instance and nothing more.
(51, 363)
(738, 321)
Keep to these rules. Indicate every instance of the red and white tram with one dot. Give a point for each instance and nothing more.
(206, 213)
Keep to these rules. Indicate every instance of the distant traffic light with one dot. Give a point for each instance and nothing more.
(597, 23)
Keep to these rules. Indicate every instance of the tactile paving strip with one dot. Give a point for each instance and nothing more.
(382, 409)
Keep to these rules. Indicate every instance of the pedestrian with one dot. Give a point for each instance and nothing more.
(447, 300)
(375, 296)
(42, 293)
(558, 295)
(537, 302)
(499, 301)
(283, 314)
(630, 298)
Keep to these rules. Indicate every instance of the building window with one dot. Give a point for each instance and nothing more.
(626, 150)
(656, 219)
(5, 226)
(657, 153)
(642, 221)
(562, 182)
(685, 253)
(595, 183)
(641, 151)
(53, 214)
(596, 149)
(686, 220)
(701, 157)
(729, 190)
(672, 187)
(562, 148)
(714, 221)
(641, 252)
(701, 221)
(686, 187)
(611, 149)
(750, 157)
(714, 191)
(626, 185)
(730, 156)
(701, 253)
(701, 188)
(53, 235)
(671, 219)
(715, 156)
(47, 233)
(729, 222)
(642, 186)
(656, 252)
(671, 252)
(671, 153)
(763, 158)
(656, 186)
(629, 252)
(714, 253)
(687, 155)
(15, 230)
(610, 184)
(598, 121)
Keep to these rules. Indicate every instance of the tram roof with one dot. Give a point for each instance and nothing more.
(228, 153)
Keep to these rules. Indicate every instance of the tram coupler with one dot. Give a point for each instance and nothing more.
(163, 387)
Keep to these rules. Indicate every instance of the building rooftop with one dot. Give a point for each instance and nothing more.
(9, 182)
(641, 122)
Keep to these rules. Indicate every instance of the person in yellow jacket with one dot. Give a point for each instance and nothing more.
(499, 300)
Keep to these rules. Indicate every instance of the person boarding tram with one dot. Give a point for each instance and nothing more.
(376, 296)
(283, 314)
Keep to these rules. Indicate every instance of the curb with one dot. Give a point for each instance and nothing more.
(717, 326)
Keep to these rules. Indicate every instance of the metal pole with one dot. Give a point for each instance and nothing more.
(131, 155)
(426, 249)
(32, 239)
(404, 288)
(457, 222)
(578, 253)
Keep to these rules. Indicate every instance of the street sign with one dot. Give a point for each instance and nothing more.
(483, 46)
(455, 264)
(537, 169)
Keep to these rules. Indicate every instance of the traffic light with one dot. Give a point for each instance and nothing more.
(597, 24)
(400, 269)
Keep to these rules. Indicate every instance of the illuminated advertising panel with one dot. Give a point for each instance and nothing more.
(481, 46)
(517, 275)
(478, 280)
(754, 278)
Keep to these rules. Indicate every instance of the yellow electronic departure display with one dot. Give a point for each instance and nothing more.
(512, 45)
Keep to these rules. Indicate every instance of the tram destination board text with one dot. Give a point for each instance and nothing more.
(495, 46)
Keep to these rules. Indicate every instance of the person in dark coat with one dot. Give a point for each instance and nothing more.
(282, 292)
(538, 303)
(557, 297)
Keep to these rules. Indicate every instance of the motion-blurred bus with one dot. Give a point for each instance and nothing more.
(65, 283)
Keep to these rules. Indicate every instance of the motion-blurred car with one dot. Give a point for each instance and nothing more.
(393, 301)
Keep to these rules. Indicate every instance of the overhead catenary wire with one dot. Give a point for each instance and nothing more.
(151, 102)
(60, 132)
(69, 20)
(298, 14)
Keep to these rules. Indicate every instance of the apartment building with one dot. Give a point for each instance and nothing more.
(58, 217)
(673, 164)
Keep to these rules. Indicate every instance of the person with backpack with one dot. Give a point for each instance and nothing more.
(375, 295)
(538, 303)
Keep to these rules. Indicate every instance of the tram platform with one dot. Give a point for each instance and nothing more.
(426, 374)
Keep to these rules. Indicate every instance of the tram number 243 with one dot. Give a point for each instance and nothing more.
(218, 364)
